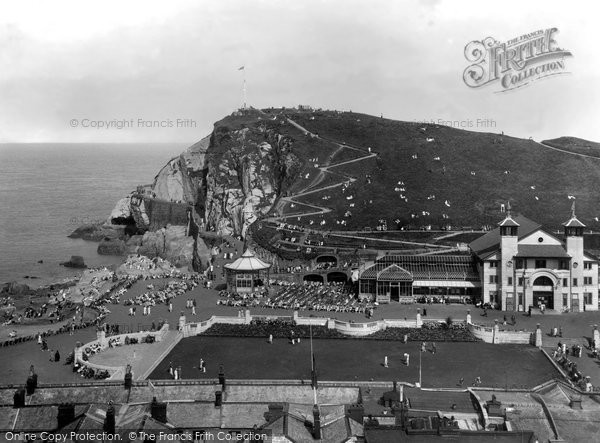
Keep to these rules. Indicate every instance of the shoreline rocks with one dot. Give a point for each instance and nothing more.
(97, 232)
(14, 288)
(112, 246)
(76, 261)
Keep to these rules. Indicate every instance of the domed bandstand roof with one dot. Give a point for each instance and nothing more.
(247, 262)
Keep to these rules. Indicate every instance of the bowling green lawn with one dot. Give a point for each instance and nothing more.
(512, 366)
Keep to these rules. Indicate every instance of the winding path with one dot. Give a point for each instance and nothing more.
(313, 188)
(565, 151)
(319, 210)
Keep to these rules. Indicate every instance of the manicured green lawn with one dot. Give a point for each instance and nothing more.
(254, 358)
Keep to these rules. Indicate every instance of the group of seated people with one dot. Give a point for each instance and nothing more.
(87, 372)
(170, 290)
(310, 296)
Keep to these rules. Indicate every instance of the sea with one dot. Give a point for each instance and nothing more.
(48, 190)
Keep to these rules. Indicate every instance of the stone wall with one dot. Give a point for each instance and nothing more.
(359, 329)
(161, 213)
(102, 340)
(495, 335)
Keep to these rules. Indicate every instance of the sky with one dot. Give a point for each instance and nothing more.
(150, 71)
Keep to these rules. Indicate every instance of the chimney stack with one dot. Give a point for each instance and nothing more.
(222, 377)
(158, 411)
(356, 412)
(31, 383)
(19, 398)
(316, 423)
(109, 420)
(66, 414)
(276, 410)
(128, 381)
(575, 403)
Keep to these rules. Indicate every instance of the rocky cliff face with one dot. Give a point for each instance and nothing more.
(223, 184)
(244, 181)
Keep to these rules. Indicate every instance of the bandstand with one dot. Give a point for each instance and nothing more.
(247, 273)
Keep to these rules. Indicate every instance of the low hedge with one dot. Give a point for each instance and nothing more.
(434, 332)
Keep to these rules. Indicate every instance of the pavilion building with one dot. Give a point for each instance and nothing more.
(522, 265)
(403, 278)
(246, 274)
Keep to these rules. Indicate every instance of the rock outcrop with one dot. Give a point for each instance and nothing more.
(172, 243)
(222, 184)
(14, 288)
(76, 261)
(112, 246)
(121, 214)
(97, 232)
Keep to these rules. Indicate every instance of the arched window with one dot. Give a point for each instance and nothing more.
(543, 281)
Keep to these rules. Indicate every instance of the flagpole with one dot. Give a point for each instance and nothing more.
(244, 88)
(420, 385)
(243, 69)
(312, 365)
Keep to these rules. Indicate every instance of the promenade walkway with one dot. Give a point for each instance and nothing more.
(17, 359)
(142, 357)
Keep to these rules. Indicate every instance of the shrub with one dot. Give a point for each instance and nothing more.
(436, 332)
(448, 323)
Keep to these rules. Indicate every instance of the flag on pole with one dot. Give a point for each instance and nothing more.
(241, 68)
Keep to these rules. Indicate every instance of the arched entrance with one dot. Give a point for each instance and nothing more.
(326, 262)
(543, 292)
(313, 278)
(337, 277)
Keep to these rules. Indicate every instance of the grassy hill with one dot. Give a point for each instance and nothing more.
(576, 145)
(470, 174)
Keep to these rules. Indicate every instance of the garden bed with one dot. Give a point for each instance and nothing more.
(436, 332)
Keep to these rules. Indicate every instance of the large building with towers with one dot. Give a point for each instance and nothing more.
(513, 267)
(522, 265)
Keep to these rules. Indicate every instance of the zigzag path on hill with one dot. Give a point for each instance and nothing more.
(312, 188)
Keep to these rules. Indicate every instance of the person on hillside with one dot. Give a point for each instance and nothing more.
(385, 361)
(57, 356)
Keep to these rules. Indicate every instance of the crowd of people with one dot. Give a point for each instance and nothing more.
(162, 295)
(561, 356)
(310, 296)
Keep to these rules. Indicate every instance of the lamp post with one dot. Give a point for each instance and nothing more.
(420, 372)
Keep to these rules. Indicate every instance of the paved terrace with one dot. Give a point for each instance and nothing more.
(18, 358)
